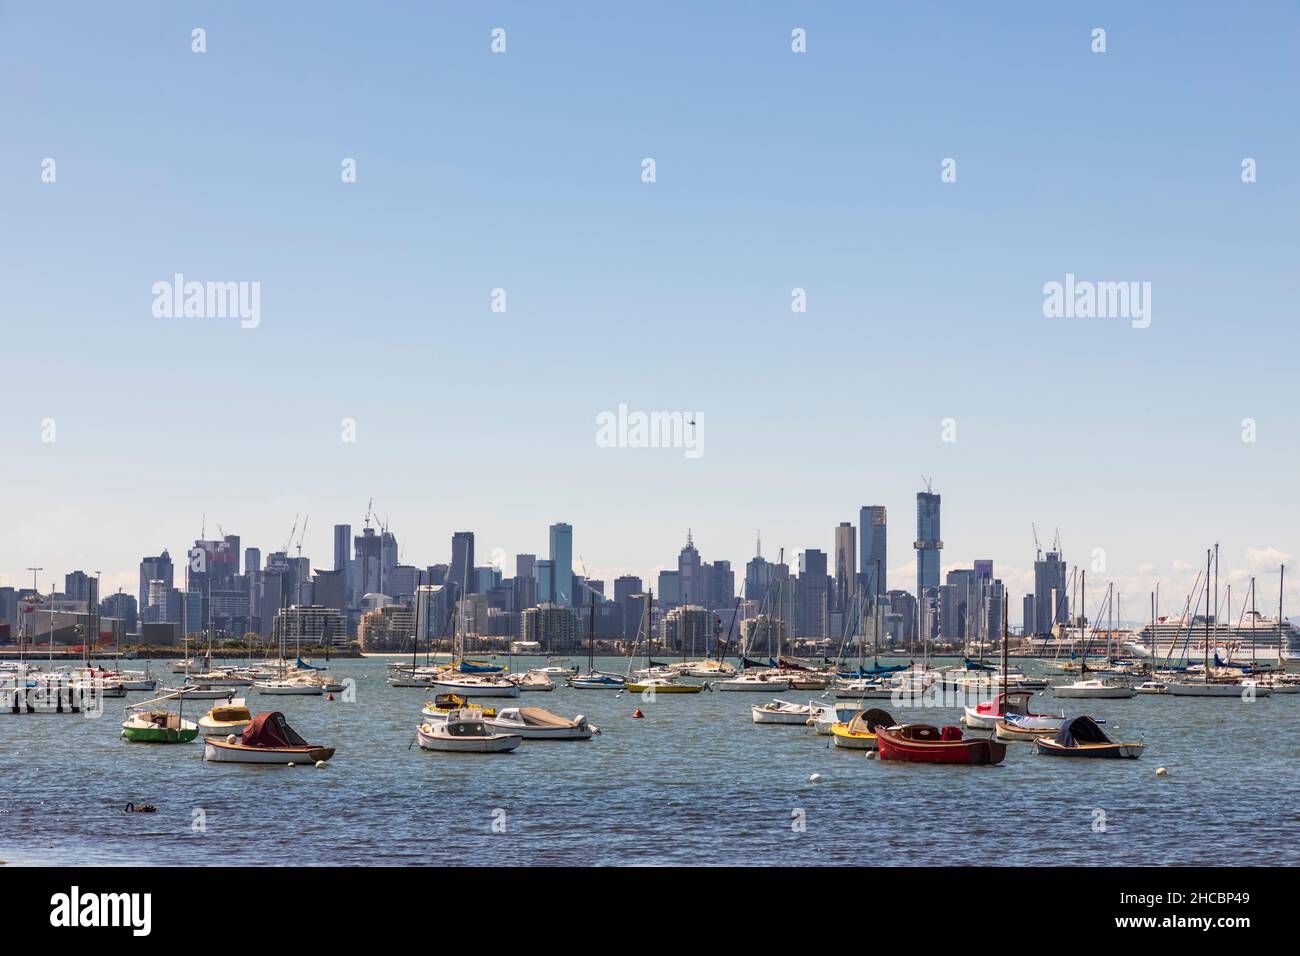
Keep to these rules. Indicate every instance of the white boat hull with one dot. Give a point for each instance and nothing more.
(218, 751)
(503, 689)
(492, 744)
(761, 716)
(763, 687)
(1094, 693)
(289, 690)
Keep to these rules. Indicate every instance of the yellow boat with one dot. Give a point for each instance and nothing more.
(657, 685)
(444, 704)
(859, 732)
(226, 719)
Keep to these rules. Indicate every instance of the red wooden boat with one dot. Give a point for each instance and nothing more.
(922, 743)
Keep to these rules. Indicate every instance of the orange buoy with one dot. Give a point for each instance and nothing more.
(329, 696)
(637, 713)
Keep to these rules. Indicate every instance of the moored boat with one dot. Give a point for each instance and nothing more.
(1081, 737)
(1094, 690)
(158, 727)
(267, 739)
(923, 743)
(859, 732)
(230, 718)
(536, 723)
(781, 712)
(662, 685)
(465, 732)
(754, 682)
(985, 716)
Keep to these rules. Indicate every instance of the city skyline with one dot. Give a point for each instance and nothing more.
(1135, 586)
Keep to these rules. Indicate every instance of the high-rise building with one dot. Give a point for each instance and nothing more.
(462, 561)
(77, 586)
(1051, 603)
(562, 561)
(872, 540)
(813, 594)
(1028, 617)
(252, 560)
(720, 583)
(525, 582)
(155, 569)
(670, 594)
(388, 558)
(546, 582)
(369, 564)
(758, 575)
(628, 596)
(846, 566)
(690, 579)
(929, 543)
(342, 562)
(121, 606)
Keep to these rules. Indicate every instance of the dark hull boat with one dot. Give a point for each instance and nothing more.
(1081, 737)
(922, 743)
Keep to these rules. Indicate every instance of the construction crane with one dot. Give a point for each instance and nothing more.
(929, 485)
(289, 543)
(1038, 550)
(370, 510)
(302, 534)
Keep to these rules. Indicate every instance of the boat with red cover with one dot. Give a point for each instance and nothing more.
(922, 743)
(268, 739)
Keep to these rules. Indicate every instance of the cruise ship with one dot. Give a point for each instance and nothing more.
(1256, 637)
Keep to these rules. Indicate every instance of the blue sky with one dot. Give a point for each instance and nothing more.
(775, 170)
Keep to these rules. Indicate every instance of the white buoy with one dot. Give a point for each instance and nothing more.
(871, 755)
(230, 738)
(815, 778)
(319, 764)
(292, 764)
(1161, 772)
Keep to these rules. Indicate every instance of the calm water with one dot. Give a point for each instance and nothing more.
(695, 782)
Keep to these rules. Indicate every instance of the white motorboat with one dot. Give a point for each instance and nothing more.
(985, 716)
(597, 681)
(754, 682)
(709, 669)
(477, 686)
(781, 712)
(465, 732)
(1151, 687)
(535, 723)
(1094, 690)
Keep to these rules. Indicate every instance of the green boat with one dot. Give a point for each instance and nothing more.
(159, 727)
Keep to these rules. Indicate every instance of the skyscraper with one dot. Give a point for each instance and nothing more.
(462, 561)
(928, 543)
(690, 578)
(872, 541)
(562, 560)
(813, 593)
(342, 545)
(154, 569)
(846, 565)
(1051, 603)
(368, 555)
(525, 581)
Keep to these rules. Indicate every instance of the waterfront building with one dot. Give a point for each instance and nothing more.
(312, 624)
(553, 627)
(688, 628)
(386, 628)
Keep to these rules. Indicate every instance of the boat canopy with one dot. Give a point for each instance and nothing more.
(476, 667)
(1081, 730)
(867, 721)
(971, 665)
(540, 717)
(302, 665)
(746, 662)
(270, 729)
(874, 671)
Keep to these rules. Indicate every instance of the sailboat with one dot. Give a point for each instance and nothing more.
(284, 685)
(158, 726)
(1206, 687)
(661, 681)
(1084, 687)
(472, 681)
(594, 679)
